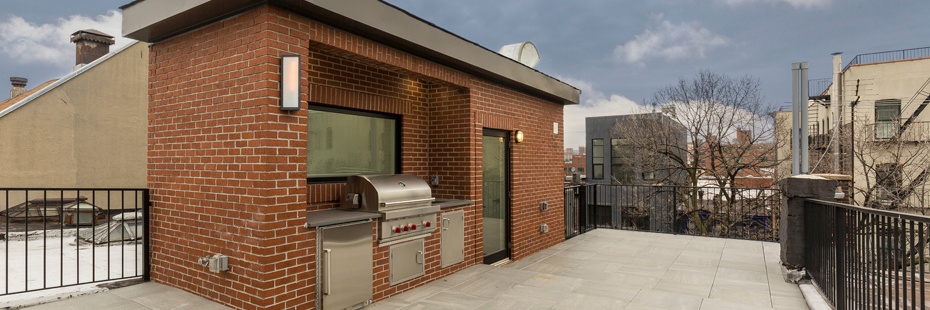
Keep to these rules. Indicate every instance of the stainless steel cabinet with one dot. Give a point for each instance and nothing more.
(452, 238)
(407, 261)
(346, 266)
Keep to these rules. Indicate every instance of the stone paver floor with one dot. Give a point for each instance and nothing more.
(614, 269)
(602, 269)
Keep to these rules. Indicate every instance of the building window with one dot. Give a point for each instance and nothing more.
(621, 161)
(597, 159)
(887, 113)
(346, 142)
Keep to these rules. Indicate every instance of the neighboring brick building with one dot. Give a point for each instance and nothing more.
(761, 154)
(575, 166)
(233, 174)
(84, 130)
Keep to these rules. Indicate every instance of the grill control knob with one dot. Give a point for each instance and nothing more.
(397, 229)
(413, 226)
(427, 223)
(406, 227)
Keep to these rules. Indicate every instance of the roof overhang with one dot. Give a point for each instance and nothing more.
(158, 20)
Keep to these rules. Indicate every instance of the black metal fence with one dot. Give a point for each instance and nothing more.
(740, 213)
(64, 237)
(577, 220)
(864, 258)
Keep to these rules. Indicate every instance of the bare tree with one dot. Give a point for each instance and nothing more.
(729, 132)
(727, 126)
(892, 166)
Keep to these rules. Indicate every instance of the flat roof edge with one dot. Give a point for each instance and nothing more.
(156, 20)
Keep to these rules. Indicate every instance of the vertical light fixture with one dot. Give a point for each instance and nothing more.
(518, 136)
(290, 82)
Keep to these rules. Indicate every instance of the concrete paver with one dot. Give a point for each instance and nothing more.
(602, 269)
(144, 296)
(614, 269)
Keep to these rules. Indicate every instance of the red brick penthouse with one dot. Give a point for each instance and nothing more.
(262, 115)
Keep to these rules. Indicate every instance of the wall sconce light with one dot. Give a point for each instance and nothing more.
(290, 82)
(518, 136)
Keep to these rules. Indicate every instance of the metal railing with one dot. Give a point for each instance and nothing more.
(741, 213)
(53, 238)
(576, 214)
(912, 53)
(914, 132)
(819, 86)
(864, 258)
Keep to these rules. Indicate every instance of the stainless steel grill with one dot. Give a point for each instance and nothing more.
(404, 201)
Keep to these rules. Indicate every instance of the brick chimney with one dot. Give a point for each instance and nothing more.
(90, 44)
(19, 86)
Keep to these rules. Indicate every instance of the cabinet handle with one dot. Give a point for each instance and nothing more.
(445, 223)
(327, 275)
(419, 258)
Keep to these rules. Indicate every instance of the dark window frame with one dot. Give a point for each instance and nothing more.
(622, 161)
(398, 137)
(594, 165)
(889, 125)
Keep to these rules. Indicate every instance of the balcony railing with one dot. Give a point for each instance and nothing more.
(914, 132)
(912, 53)
(740, 213)
(818, 86)
(865, 258)
(576, 214)
(54, 238)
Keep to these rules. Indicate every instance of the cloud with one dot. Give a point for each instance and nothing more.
(798, 4)
(670, 41)
(30, 43)
(593, 103)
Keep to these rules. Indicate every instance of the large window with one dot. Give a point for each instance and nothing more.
(597, 159)
(887, 113)
(346, 142)
(621, 161)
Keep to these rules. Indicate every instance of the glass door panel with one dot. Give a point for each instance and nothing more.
(496, 203)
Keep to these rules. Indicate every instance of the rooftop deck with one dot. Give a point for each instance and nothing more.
(601, 269)
(614, 269)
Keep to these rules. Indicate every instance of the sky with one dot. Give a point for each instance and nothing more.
(617, 52)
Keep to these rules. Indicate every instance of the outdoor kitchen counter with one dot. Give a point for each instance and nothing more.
(451, 203)
(337, 216)
(340, 216)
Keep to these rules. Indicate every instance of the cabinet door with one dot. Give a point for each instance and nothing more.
(346, 266)
(407, 261)
(452, 238)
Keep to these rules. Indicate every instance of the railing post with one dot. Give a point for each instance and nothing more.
(839, 236)
(792, 237)
(146, 238)
(582, 209)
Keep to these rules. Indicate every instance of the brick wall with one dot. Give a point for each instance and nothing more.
(227, 168)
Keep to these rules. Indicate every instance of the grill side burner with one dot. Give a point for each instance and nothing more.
(404, 201)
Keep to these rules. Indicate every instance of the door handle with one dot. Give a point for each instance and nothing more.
(445, 224)
(419, 258)
(327, 275)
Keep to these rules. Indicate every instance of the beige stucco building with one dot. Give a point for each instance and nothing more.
(883, 135)
(85, 130)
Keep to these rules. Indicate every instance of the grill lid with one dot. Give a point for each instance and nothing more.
(380, 193)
